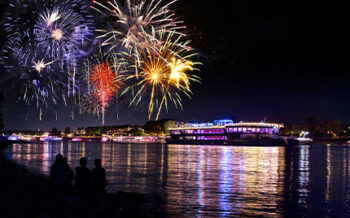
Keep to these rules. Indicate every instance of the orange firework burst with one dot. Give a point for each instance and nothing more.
(163, 70)
(103, 80)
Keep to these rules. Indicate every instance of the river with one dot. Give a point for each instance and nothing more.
(215, 181)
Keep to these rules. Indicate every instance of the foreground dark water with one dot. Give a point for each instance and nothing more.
(222, 181)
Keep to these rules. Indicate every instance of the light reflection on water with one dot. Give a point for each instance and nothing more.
(214, 180)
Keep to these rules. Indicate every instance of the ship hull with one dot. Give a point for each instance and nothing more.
(238, 142)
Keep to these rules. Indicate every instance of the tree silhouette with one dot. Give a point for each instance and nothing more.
(67, 130)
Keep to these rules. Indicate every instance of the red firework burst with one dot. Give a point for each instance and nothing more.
(102, 78)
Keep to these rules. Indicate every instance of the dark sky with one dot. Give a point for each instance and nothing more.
(284, 60)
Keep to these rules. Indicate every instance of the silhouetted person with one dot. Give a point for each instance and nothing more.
(70, 174)
(98, 176)
(58, 171)
(82, 176)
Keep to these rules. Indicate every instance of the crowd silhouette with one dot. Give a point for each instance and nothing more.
(85, 180)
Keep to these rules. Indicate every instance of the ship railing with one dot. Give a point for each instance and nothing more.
(241, 124)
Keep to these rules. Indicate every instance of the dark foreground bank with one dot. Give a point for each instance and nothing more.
(23, 194)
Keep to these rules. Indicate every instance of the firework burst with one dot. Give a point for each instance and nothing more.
(134, 22)
(40, 65)
(103, 82)
(91, 103)
(60, 29)
(102, 79)
(41, 87)
(61, 33)
(163, 68)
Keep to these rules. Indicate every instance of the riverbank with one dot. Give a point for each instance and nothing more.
(23, 194)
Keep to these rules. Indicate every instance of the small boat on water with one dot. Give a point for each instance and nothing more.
(50, 139)
(226, 132)
(76, 139)
(19, 138)
(304, 138)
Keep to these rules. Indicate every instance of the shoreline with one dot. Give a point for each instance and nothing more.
(25, 194)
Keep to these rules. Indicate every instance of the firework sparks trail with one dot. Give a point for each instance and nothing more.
(163, 71)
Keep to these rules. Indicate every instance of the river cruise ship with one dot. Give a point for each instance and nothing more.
(226, 132)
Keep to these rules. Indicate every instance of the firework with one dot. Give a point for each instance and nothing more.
(163, 70)
(40, 65)
(39, 86)
(102, 79)
(91, 103)
(104, 82)
(178, 72)
(61, 33)
(42, 88)
(45, 39)
(134, 22)
(60, 29)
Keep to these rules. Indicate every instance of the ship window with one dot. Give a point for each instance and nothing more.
(211, 138)
(175, 132)
(190, 137)
(188, 131)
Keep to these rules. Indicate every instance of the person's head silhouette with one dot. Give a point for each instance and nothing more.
(59, 158)
(98, 163)
(83, 161)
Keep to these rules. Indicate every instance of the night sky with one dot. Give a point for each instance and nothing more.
(282, 60)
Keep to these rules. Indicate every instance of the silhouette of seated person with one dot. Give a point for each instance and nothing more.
(98, 176)
(58, 171)
(82, 176)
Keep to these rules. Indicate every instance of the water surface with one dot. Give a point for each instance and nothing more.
(219, 181)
